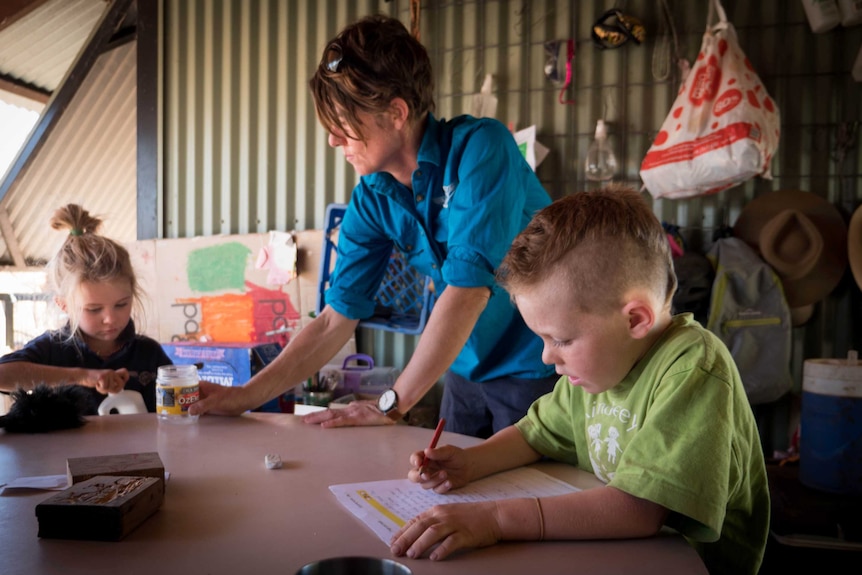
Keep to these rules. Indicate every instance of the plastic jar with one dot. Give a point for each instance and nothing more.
(177, 388)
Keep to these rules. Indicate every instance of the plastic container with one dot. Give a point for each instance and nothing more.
(404, 298)
(358, 375)
(177, 387)
(125, 402)
(600, 163)
(851, 12)
(823, 15)
(830, 455)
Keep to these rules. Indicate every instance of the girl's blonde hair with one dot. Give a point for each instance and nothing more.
(85, 256)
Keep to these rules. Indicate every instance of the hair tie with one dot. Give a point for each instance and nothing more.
(76, 232)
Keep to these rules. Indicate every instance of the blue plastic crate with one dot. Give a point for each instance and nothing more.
(405, 296)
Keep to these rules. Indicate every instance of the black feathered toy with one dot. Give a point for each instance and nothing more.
(46, 408)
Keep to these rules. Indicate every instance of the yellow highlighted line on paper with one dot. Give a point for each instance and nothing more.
(379, 507)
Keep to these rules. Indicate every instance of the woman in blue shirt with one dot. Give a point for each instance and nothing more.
(451, 196)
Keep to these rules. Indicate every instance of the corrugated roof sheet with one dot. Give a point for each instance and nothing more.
(41, 46)
(89, 158)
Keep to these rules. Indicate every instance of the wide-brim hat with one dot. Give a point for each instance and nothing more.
(854, 245)
(802, 237)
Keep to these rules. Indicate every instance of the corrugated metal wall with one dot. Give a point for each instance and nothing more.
(244, 152)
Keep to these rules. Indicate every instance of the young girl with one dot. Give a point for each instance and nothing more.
(95, 286)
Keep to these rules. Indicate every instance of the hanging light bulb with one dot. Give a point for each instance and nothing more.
(601, 163)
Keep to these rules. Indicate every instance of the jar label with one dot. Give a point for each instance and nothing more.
(176, 400)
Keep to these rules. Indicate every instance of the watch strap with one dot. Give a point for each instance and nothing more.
(394, 414)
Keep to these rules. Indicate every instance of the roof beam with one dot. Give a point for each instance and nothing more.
(24, 89)
(11, 239)
(63, 95)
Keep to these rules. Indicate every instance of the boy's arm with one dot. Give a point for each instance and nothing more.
(600, 513)
(504, 450)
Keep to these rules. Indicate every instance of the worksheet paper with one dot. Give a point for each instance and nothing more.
(385, 506)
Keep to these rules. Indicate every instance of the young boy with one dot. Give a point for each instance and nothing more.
(651, 403)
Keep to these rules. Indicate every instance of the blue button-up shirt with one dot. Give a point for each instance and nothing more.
(472, 193)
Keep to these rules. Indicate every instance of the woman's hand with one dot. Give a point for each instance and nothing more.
(219, 400)
(362, 412)
(449, 527)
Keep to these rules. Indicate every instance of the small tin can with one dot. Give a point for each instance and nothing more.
(177, 387)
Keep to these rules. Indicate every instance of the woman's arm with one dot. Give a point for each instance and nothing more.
(313, 346)
(451, 321)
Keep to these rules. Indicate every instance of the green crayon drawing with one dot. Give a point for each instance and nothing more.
(218, 267)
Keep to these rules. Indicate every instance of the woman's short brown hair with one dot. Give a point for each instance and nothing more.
(364, 68)
(605, 242)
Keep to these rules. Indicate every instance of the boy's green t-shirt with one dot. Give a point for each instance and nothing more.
(678, 431)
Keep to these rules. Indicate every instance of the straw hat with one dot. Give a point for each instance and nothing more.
(802, 237)
(854, 245)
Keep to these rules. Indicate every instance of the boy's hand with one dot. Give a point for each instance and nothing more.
(453, 526)
(446, 468)
(106, 381)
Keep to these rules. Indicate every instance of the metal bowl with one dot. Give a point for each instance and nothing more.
(354, 566)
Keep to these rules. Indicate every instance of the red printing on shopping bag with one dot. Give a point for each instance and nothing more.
(706, 81)
(686, 151)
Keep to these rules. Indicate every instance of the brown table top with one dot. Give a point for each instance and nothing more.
(225, 513)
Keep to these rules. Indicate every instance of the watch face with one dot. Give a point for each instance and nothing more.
(387, 400)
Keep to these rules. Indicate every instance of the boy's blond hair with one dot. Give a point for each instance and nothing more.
(605, 242)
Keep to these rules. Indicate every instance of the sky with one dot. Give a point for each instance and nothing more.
(15, 125)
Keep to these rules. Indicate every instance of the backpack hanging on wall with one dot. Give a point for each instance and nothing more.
(749, 313)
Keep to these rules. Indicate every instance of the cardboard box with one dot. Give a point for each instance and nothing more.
(211, 288)
(102, 508)
(228, 364)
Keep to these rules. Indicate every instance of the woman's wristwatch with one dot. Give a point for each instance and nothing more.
(388, 404)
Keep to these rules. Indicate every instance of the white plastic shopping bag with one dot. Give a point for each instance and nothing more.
(723, 128)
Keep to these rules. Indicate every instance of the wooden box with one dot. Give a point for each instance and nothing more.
(148, 464)
(102, 508)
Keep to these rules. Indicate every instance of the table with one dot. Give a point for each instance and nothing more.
(225, 513)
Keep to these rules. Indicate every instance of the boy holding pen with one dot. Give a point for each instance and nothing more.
(651, 403)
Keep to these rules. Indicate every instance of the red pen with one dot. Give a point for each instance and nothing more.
(433, 443)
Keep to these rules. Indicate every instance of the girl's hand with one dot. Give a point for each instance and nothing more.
(446, 468)
(106, 381)
(450, 527)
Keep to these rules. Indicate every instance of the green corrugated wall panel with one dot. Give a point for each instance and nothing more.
(243, 151)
